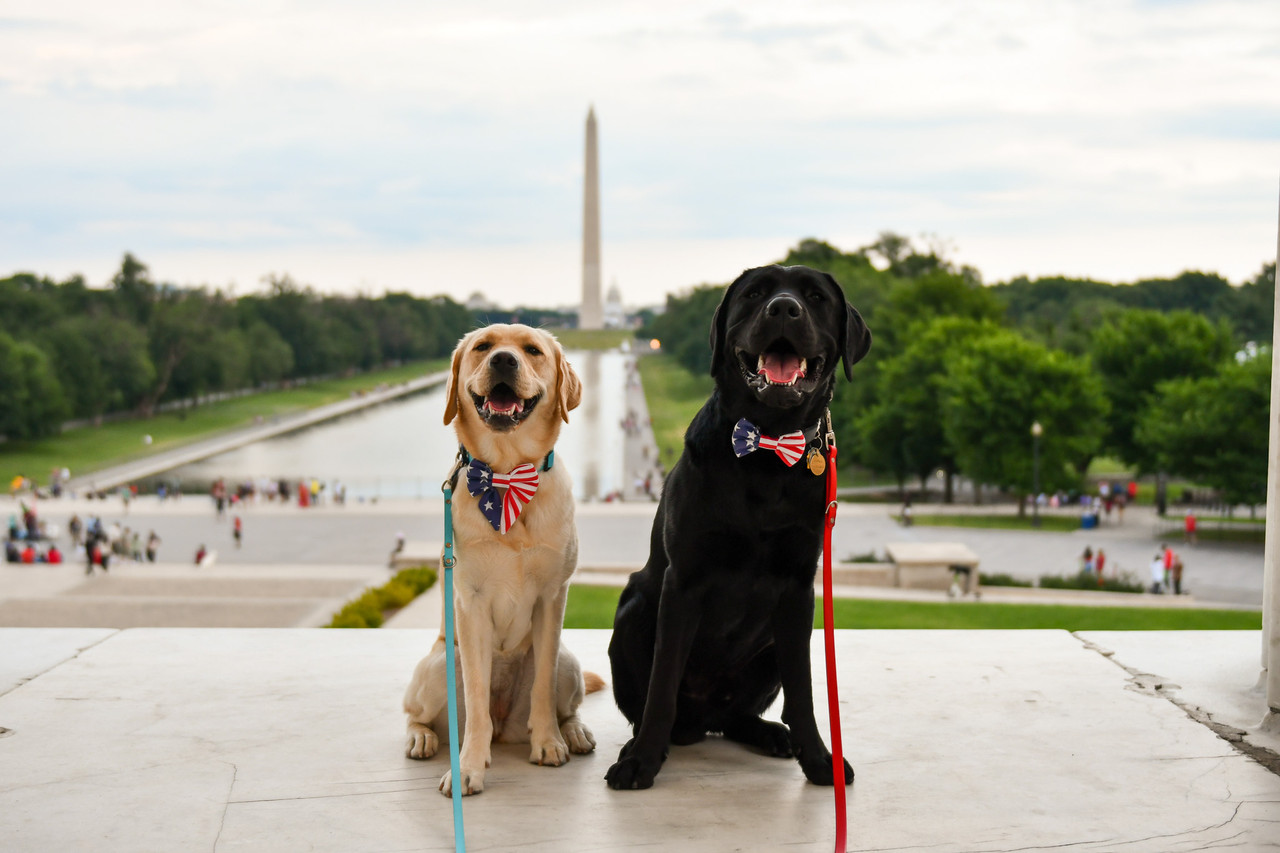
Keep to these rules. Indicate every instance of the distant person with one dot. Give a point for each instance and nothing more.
(237, 530)
(907, 514)
(218, 491)
(201, 553)
(1189, 528)
(1099, 562)
(1157, 572)
(1176, 573)
(75, 528)
(153, 545)
(396, 551)
(29, 553)
(12, 553)
(1086, 560)
(94, 555)
(53, 555)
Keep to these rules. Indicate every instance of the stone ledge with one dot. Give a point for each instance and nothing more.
(179, 739)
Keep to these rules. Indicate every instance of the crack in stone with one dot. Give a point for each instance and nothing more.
(1153, 685)
(430, 786)
(77, 654)
(226, 807)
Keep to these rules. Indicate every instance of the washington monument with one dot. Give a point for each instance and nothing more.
(591, 315)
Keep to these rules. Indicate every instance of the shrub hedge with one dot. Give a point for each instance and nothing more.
(371, 608)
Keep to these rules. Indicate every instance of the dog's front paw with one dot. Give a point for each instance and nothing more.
(548, 752)
(820, 772)
(630, 772)
(421, 742)
(472, 782)
(578, 737)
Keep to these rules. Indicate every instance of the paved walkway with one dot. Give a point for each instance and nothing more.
(614, 540)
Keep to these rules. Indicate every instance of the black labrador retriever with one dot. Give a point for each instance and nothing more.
(720, 617)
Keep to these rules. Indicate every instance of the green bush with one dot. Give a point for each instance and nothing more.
(1088, 580)
(1001, 579)
(370, 609)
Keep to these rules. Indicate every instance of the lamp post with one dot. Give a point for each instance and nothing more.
(1036, 432)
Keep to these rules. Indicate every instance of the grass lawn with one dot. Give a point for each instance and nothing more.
(593, 607)
(997, 521)
(674, 396)
(92, 448)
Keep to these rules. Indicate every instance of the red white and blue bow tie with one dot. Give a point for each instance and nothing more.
(748, 439)
(519, 486)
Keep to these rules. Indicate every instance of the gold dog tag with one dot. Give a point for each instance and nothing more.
(817, 465)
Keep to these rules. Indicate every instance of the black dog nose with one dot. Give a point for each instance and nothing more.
(784, 305)
(504, 361)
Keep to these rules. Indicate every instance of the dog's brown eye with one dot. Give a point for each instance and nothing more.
(817, 296)
(532, 350)
(484, 346)
(753, 294)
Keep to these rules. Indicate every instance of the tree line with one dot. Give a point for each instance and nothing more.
(1165, 375)
(71, 351)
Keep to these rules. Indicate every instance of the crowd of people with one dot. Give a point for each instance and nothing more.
(31, 540)
(308, 492)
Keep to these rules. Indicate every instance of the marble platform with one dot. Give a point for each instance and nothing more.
(159, 739)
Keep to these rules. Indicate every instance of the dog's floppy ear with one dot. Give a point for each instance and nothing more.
(568, 385)
(855, 337)
(451, 393)
(856, 341)
(720, 322)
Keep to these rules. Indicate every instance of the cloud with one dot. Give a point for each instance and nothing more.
(432, 132)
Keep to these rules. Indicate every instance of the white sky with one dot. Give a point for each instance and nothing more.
(437, 147)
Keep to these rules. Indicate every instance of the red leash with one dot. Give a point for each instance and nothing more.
(828, 630)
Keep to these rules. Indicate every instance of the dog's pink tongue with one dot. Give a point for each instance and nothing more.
(504, 402)
(781, 368)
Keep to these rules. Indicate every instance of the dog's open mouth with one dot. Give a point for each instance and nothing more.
(503, 408)
(780, 365)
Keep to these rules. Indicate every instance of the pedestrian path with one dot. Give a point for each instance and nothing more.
(135, 595)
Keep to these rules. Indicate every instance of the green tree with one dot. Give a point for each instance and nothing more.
(914, 302)
(270, 358)
(996, 388)
(1210, 429)
(134, 289)
(178, 324)
(102, 363)
(1135, 352)
(901, 430)
(32, 404)
(685, 327)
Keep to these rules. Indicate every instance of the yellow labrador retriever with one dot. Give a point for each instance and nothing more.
(516, 546)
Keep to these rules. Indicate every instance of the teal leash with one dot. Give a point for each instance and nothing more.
(447, 562)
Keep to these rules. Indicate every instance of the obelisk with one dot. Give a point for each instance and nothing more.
(591, 315)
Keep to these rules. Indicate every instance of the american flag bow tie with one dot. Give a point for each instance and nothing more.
(748, 439)
(519, 486)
